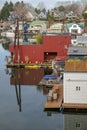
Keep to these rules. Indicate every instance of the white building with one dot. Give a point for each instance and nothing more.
(75, 84)
(75, 29)
(56, 28)
(75, 87)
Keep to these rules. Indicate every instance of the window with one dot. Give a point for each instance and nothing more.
(77, 124)
(75, 50)
(75, 26)
(77, 88)
(74, 31)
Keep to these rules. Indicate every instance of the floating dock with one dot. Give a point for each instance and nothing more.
(58, 103)
(74, 106)
(53, 104)
(29, 66)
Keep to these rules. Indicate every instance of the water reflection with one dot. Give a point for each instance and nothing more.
(72, 121)
(18, 95)
(75, 121)
(26, 77)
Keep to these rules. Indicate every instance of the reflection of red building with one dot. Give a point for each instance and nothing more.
(52, 46)
(26, 77)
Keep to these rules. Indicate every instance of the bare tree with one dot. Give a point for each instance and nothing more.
(76, 8)
(84, 3)
(20, 9)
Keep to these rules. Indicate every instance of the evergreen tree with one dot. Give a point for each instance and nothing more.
(5, 11)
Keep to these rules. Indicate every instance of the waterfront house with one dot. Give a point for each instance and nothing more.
(78, 48)
(77, 51)
(53, 45)
(75, 84)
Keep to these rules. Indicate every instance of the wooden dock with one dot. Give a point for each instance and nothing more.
(58, 102)
(29, 66)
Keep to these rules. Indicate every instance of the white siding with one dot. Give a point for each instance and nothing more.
(75, 87)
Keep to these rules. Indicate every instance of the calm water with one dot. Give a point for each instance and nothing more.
(22, 102)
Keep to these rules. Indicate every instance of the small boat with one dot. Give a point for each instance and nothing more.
(32, 66)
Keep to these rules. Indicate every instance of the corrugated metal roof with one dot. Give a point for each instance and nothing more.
(82, 39)
(75, 50)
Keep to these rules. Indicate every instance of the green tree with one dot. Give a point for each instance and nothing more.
(61, 8)
(5, 11)
(50, 18)
(38, 38)
(37, 11)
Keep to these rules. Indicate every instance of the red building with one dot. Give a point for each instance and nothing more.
(51, 47)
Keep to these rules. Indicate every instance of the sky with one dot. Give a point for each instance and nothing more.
(48, 3)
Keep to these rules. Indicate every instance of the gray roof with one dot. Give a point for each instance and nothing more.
(77, 50)
(31, 10)
(42, 15)
(82, 39)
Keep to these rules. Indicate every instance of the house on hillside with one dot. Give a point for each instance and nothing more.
(71, 15)
(75, 28)
(42, 15)
(56, 28)
(58, 16)
(38, 26)
(21, 26)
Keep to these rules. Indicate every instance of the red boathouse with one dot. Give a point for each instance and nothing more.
(53, 45)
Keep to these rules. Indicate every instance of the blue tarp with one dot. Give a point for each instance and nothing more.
(49, 77)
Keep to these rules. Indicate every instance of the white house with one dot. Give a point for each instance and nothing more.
(56, 28)
(75, 84)
(75, 29)
(75, 87)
